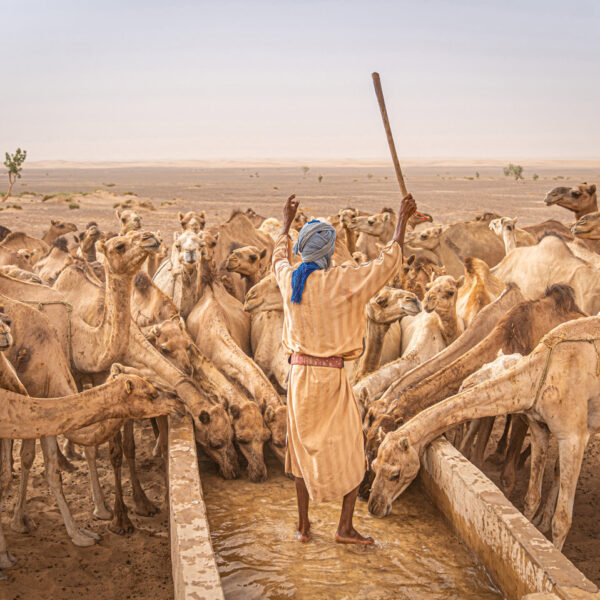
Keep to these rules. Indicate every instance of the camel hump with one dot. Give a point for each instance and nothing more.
(563, 296)
(16, 236)
(475, 267)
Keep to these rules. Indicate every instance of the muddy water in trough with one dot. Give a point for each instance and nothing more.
(415, 556)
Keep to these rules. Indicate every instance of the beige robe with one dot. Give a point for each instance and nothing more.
(325, 444)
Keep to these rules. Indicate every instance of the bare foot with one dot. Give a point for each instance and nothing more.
(304, 534)
(352, 537)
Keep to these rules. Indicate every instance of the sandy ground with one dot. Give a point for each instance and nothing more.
(138, 566)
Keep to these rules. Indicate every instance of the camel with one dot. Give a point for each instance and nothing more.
(56, 260)
(221, 330)
(505, 228)
(236, 232)
(557, 389)
(386, 307)
(519, 331)
(550, 226)
(580, 200)
(172, 340)
(148, 304)
(476, 289)
(56, 229)
(379, 230)
(192, 221)
(423, 336)
(272, 227)
(128, 219)
(254, 217)
(17, 240)
(416, 273)
(587, 227)
(451, 244)
(87, 242)
(9, 257)
(534, 268)
(265, 306)
(249, 263)
(21, 274)
(177, 277)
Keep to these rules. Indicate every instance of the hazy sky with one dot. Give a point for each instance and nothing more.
(148, 79)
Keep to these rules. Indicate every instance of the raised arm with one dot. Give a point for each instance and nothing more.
(281, 252)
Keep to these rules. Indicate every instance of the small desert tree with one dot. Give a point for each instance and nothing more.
(14, 165)
(305, 170)
(515, 171)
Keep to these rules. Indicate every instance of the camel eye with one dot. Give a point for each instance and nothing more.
(450, 294)
(120, 247)
(423, 236)
(123, 220)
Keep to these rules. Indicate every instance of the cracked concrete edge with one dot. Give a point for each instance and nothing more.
(517, 556)
(195, 572)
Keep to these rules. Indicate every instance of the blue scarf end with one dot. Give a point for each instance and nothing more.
(299, 277)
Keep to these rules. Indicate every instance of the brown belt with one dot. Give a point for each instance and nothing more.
(337, 362)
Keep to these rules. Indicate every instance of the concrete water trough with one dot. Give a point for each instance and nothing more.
(521, 562)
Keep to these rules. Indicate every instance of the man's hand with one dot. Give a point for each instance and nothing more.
(407, 210)
(289, 213)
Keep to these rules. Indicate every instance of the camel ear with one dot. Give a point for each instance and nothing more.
(386, 216)
(411, 259)
(263, 252)
(204, 417)
(460, 281)
(269, 414)
(100, 247)
(203, 214)
(180, 216)
(234, 410)
(129, 386)
(54, 222)
(118, 212)
(403, 444)
(216, 235)
(116, 369)
(515, 219)
(591, 188)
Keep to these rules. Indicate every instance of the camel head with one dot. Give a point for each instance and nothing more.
(144, 396)
(580, 200)
(376, 225)
(59, 227)
(396, 466)
(429, 238)
(192, 221)
(29, 256)
(208, 242)
(171, 339)
(588, 227)
(187, 247)
(265, 295)
(346, 215)
(250, 434)
(499, 226)
(416, 273)
(246, 260)
(441, 295)
(300, 220)
(391, 304)
(124, 254)
(128, 219)
(276, 421)
(419, 218)
(6, 339)
(89, 237)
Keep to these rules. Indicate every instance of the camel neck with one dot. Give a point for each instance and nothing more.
(449, 322)
(374, 346)
(186, 296)
(510, 242)
(207, 276)
(590, 208)
(116, 318)
(350, 240)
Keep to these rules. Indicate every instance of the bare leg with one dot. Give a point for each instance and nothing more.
(498, 456)
(79, 536)
(483, 435)
(120, 523)
(303, 522)
(22, 522)
(7, 560)
(346, 534)
(100, 510)
(143, 506)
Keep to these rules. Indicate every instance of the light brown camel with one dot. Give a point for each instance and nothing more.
(177, 276)
(17, 240)
(254, 217)
(556, 387)
(9, 257)
(272, 227)
(265, 306)
(551, 226)
(519, 331)
(477, 288)
(148, 304)
(451, 244)
(378, 230)
(416, 273)
(128, 219)
(386, 307)
(21, 274)
(87, 242)
(192, 221)
(534, 268)
(56, 260)
(57, 228)
(506, 229)
(580, 200)
(173, 341)
(423, 336)
(221, 330)
(249, 262)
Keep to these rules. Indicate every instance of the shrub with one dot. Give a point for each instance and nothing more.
(73, 205)
(515, 171)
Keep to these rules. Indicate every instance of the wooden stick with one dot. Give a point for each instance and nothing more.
(388, 133)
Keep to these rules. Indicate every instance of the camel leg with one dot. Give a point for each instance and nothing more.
(540, 436)
(22, 522)
(64, 463)
(570, 454)
(466, 443)
(70, 452)
(163, 438)
(7, 560)
(498, 456)
(157, 447)
(518, 431)
(120, 523)
(100, 510)
(544, 519)
(79, 536)
(143, 506)
(483, 435)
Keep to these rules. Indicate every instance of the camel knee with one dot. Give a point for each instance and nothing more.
(561, 524)
(115, 451)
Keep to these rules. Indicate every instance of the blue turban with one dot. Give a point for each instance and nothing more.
(316, 243)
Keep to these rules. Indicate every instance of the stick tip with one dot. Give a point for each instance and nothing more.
(375, 75)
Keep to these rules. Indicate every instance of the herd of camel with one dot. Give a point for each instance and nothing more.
(99, 328)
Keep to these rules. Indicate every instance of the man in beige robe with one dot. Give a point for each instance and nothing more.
(325, 443)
